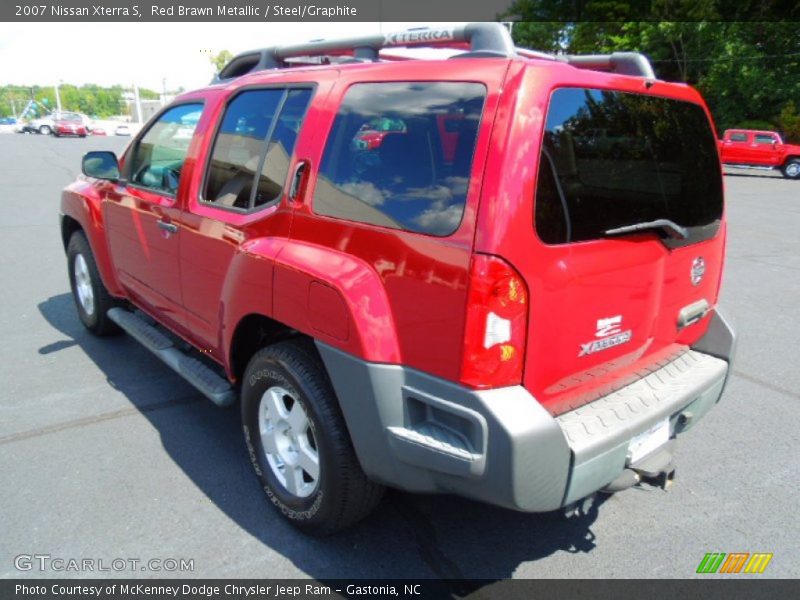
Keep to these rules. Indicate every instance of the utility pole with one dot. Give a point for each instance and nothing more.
(138, 103)
(58, 99)
(164, 88)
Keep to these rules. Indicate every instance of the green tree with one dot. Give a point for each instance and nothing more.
(746, 70)
(220, 59)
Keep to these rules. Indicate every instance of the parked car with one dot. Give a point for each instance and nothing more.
(69, 125)
(478, 305)
(47, 125)
(98, 131)
(765, 150)
(123, 130)
(8, 121)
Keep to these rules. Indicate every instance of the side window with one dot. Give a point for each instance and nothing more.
(280, 147)
(159, 155)
(252, 144)
(762, 138)
(738, 137)
(399, 155)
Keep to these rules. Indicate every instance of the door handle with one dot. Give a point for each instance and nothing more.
(295, 189)
(167, 226)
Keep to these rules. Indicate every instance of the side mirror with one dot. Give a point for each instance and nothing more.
(101, 164)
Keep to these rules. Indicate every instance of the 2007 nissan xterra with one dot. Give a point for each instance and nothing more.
(494, 275)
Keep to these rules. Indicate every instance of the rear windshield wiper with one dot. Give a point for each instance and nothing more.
(670, 228)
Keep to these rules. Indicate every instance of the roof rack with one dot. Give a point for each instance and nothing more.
(476, 39)
(484, 40)
(624, 63)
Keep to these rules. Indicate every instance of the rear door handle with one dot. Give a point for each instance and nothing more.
(167, 226)
(297, 180)
(692, 313)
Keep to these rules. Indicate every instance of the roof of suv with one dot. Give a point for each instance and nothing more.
(474, 40)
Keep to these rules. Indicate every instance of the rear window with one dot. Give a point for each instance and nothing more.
(612, 159)
(399, 155)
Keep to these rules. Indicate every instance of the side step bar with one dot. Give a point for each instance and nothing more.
(214, 387)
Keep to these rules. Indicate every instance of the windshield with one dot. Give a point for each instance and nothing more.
(611, 160)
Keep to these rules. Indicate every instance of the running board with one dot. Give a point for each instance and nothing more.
(214, 387)
(754, 167)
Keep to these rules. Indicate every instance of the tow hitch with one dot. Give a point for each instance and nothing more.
(657, 470)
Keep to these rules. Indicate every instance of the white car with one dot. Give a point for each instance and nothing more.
(122, 130)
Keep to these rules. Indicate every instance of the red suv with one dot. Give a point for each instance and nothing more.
(510, 296)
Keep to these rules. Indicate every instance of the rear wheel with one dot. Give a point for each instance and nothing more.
(298, 442)
(791, 169)
(91, 297)
(45, 130)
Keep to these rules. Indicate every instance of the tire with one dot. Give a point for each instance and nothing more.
(288, 406)
(92, 299)
(791, 169)
(45, 130)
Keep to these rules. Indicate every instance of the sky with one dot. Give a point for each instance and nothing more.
(146, 53)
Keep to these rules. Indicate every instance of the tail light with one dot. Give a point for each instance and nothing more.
(497, 312)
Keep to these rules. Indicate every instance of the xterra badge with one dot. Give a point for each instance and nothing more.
(610, 330)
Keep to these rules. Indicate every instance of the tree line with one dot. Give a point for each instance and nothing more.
(741, 56)
(90, 99)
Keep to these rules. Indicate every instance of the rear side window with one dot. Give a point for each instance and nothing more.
(253, 147)
(612, 159)
(738, 137)
(399, 155)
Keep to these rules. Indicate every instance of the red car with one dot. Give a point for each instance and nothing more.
(67, 126)
(514, 300)
(760, 150)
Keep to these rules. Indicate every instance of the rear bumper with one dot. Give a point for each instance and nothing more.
(423, 434)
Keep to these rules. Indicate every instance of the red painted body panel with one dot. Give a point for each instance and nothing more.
(572, 286)
(423, 278)
(749, 151)
(394, 296)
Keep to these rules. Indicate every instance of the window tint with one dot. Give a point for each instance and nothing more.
(399, 155)
(281, 145)
(159, 155)
(738, 137)
(762, 138)
(612, 159)
(252, 141)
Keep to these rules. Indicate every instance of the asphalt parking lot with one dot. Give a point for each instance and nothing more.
(105, 453)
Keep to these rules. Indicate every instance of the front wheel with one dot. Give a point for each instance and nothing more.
(45, 130)
(791, 169)
(298, 442)
(91, 297)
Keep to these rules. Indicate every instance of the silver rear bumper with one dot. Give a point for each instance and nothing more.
(599, 433)
(420, 433)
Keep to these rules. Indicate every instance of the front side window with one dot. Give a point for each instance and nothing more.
(762, 138)
(399, 155)
(159, 155)
(611, 160)
(253, 147)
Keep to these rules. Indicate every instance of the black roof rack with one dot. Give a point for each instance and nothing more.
(624, 63)
(484, 39)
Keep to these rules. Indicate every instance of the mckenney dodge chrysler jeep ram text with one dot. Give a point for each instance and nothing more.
(493, 275)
